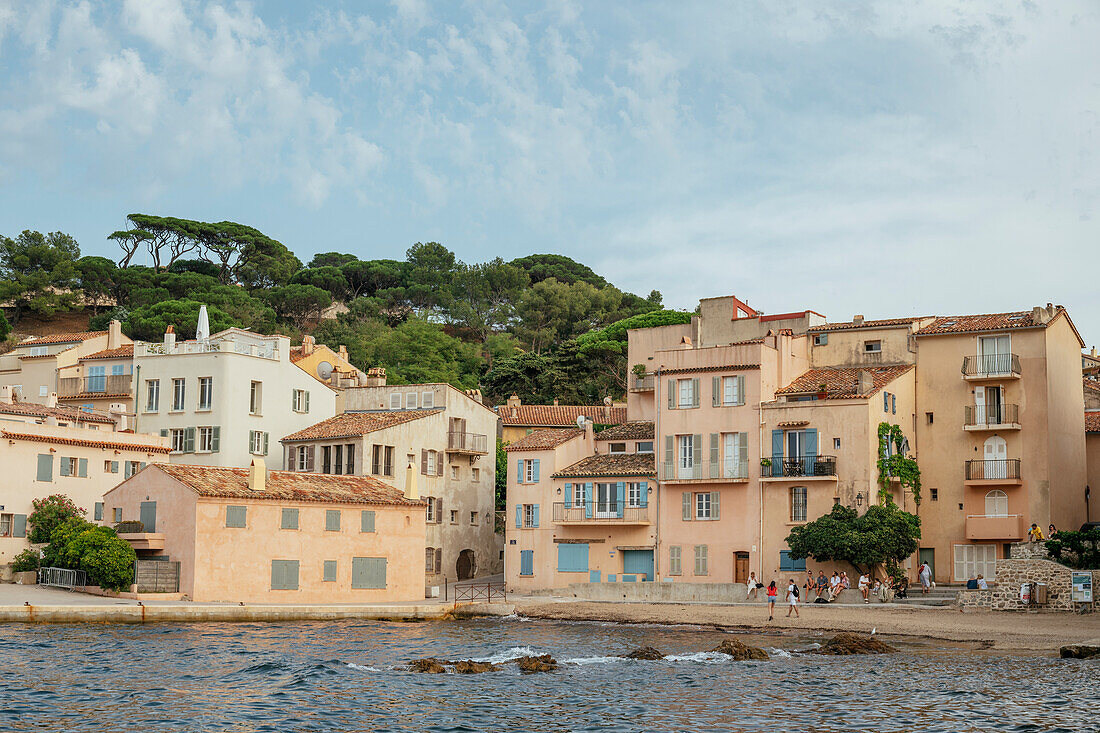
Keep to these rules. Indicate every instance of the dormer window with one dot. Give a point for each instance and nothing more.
(872, 347)
(617, 448)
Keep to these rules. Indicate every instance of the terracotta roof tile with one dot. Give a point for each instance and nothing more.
(843, 382)
(717, 368)
(60, 338)
(877, 323)
(604, 464)
(633, 430)
(1092, 421)
(560, 415)
(62, 413)
(354, 424)
(232, 483)
(1091, 385)
(981, 322)
(122, 352)
(87, 442)
(544, 439)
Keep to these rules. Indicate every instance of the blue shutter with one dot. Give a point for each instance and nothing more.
(569, 495)
(64, 466)
(643, 490)
(519, 472)
(535, 523)
(368, 572)
(97, 511)
(535, 471)
(19, 525)
(886, 402)
(588, 501)
(519, 515)
(573, 558)
(620, 499)
(777, 453)
(810, 443)
(526, 562)
(82, 468)
(114, 466)
(45, 467)
(893, 404)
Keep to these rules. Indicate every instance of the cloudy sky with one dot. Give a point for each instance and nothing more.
(887, 158)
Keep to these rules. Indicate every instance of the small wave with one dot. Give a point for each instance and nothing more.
(514, 617)
(507, 655)
(781, 653)
(594, 660)
(702, 657)
(362, 668)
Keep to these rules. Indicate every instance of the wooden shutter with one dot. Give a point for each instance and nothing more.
(777, 453)
(164, 432)
(716, 391)
(235, 516)
(535, 522)
(265, 443)
(215, 439)
(332, 520)
(714, 507)
(330, 571)
(669, 456)
(19, 525)
(672, 394)
(438, 558)
(535, 470)
(289, 519)
(64, 466)
(368, 572)
(643, 492)
(114, 466)
(366, 521)
(82, 468)
(685, 506)
(439, 510)
(439, 462)
(695, 392)
(307, 400)
(696, 452)
(519, 516)
(739, 390)
(97, 511)
(569, 495)
(423, 462)
(311, 452)
(713, 451)
(188, 440)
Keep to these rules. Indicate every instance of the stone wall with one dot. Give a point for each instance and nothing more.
(658, 592)
(1029, 551)
(1013, 573)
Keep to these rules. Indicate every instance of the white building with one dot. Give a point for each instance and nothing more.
(224, 399)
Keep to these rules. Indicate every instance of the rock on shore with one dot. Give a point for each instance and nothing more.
(842, 644)
(740, 651)
(472, 667)
(645, 652)
(1084, 650)
(430, 666)
(542, 663)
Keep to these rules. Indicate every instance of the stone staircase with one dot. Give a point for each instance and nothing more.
(942, 595)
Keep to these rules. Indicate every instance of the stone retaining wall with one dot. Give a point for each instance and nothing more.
(1029, 551)
(1013, 573)
(665, 592)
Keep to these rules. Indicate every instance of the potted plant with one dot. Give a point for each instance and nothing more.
(639, 371)
(822, 391)
(765, 463)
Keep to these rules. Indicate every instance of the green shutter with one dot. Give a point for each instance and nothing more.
(289, 519)
(330, 571)
(695, 392)
(164, 432)
(332, 520)
(284, 575)
(307, 400)
(19, 525)
(671, 394)
(739, 386)
(265, 444)
(294, 400)
(97, 511)
(669, 457)
(236, 516)
(64, 466)
(366, 521)
(368, 572)
(215, 438)
(82, 468)
(696, 452)
(713, 450)
(114, 466)
(188, 440)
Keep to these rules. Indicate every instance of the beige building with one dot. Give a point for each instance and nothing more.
(447, 436)
(518, 420)
(46, 450)
(252, 535)
(329, 367)
(102, 381)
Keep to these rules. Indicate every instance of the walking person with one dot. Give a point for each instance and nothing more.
(792, 597)
(925, 575)
(772, 592)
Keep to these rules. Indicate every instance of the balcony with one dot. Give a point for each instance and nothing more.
(143, 540)
(641, 384)
(997, 471)
(710, 471)
(991, 417)
(805, 467)
(472, 444)
(104, 384)
(600, 512)
(995, 527)
(991, 366)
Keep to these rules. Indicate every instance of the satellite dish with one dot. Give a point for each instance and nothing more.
(580, 421)
(324, 370)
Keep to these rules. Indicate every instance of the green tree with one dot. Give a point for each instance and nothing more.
(418, 351)
(501, 477)
(201, 267)
(327, 278)
(298, 304)
(149, 322)
(884, 535)
(5, 327)
(551, 311)
(98, 279)
(536, 378)
(483, 296)
(559, 267)
(431, 268)
(47, 514)
(1076, 549)
(331, 259)
(266, 263)
(38, 272)
(371, 277)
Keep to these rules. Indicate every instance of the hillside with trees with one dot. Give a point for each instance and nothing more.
(544, 325)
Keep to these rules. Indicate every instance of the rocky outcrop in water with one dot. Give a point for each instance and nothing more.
(471, 667)
(542, 663)
(1085, 650)
(843, 644)
(430, 666)
(739, 651)
(645, 652)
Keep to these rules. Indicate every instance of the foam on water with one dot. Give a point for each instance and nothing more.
(507, 655)
(781, 653)
(702, 657)
(363, 668)
(595, 660)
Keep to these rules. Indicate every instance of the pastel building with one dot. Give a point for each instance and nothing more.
(253, 535)
(445, 435)
(226, 399)
(518, 420)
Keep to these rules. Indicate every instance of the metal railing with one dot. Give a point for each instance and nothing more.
(599, 511)
(991, 414)
(711, 470)
(480, 592)
(641, 384)
(468, 442)
(801, 466)
(991, 365)
(62, 578)
(99, 384)
(993, 470)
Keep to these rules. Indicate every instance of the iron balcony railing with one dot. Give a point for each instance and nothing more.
(600, 511)
(468, 442)
(991, 414)
(99, 384)
(641, 384)
(711, 470)
(993, 470)
(991, 365)
(783, 466)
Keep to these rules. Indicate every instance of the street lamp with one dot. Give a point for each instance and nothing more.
(859, 499)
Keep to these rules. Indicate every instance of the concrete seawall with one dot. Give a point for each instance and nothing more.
(192, 613)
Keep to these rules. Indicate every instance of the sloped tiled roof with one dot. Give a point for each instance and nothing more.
(354, 424)
(717, 368)
(61, 413)
(843, 382)
(981, 322)
(232, 483)
(1092, 422)
(544, 439)
(560, 415)
(60, 338)
(603, 464)
(122, 352)
(86, 441)
(633, 430)
(877, 323)
(1091, 385)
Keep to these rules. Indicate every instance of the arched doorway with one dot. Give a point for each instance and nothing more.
(996, 458)
(996, 504)
(466, 565)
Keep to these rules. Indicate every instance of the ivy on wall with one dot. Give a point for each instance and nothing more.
(894, 464)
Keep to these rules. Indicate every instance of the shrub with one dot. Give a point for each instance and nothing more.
(47, 514)
(1077, 549)
(107, 560)
(26, 560)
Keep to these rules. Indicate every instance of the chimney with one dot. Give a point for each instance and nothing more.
(555, 402)
(376, 377)
(114, 334)
(475, 395)
(257, 475)
(342, 352)
(514, 400)
(412, 493)
(857, 320)
(308, 343)
(607, 403)
(170, 339)
(1092, 351)
(5, 394)
(51, 400)
(865, 383)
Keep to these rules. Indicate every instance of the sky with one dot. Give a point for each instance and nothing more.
(881, 158)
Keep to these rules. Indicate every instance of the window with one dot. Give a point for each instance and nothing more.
(381, 460)
(893, 404)
(929, 416)
(996, 504)
(728, 391)
(43, 391)
(674, 560)
(303, 458)
(634, 494)
(429, 559)
(206, 393)
(39, 350)
(178, 439)
(431, 510)
(974, 560)
(97, 511)
(289, 519)
(701, 559)
(703, 505)
(300, 400)
(326, 459)
(872, 347)
(349, 466)
(68, 466)
(366, 521)
(644, 446)
(787, 563)
(473, 519)
(337, 459)
(235, 516)
(821, 339)
(117, 512)
(329, 572)
(152, 395)
(332, 520)
(935, 494)
(475, 474)
(617, 448)
(410, 401)
(454, 516)
(454, 472)
(284, 575)
(5, 525)
(688, 397)
(395, 401)
(529, 471)
(836, 443)
(368, 572)
(178, 394)
(208, 440)
(255, 398)
(427, 400)
(526, 562)
(798, 503)
(110, 467)
(257, 443)
(530, 515)
(687, 456)
(430, 467)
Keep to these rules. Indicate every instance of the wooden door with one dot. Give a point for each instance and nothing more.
(740, 567)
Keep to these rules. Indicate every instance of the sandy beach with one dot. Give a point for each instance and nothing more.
(990, 630)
